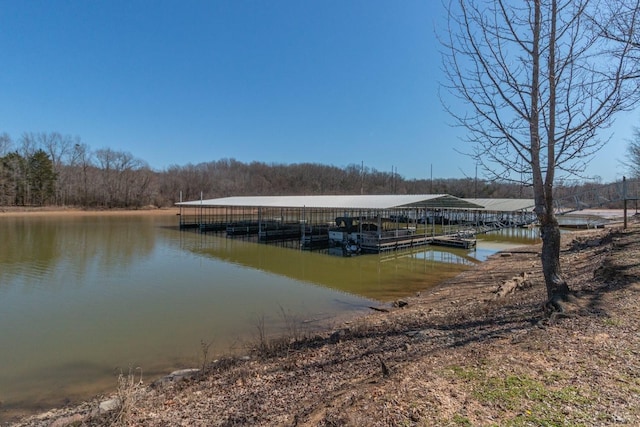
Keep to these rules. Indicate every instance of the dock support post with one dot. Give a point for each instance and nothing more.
(624, 196)
(303, 224)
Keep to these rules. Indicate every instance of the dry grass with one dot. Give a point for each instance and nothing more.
(129, 391)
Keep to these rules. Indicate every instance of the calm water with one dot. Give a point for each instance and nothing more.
(84, 298)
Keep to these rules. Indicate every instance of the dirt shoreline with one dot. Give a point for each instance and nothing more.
(457, 355)
(57, 211)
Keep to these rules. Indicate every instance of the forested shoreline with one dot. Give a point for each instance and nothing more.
(51, 169)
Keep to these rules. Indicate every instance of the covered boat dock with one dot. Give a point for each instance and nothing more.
(497, 214)
(349, 223)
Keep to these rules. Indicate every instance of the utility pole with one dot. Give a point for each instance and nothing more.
(475, 195)
(393, 178)
(431, 180)
(624, 196)
(392, 183)
(362, 178)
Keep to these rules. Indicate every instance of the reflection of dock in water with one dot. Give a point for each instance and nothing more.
(367, 276)
(444, 255)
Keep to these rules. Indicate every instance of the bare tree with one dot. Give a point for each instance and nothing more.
(79, 167)
(537, 81)
(28, 145)
(59, 148)
(106, 162)
(618, 22)
(632, 160)
(125, 180)
(13, 183)
(5, 144)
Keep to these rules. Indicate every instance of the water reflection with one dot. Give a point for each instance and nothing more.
(382, 277)
(61, 251)
(512, 236)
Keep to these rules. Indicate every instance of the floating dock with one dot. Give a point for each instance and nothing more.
(454, 242)
(373, 244)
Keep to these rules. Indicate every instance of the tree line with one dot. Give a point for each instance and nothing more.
(51, 169)
(42, 169)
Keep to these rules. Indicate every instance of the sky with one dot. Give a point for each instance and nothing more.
(336, 82)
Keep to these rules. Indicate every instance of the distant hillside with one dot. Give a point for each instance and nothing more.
(52, 169)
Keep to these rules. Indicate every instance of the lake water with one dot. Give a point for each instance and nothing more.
(84, 298)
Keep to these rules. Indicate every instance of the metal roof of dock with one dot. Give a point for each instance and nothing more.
(437, 201)
(504, 205)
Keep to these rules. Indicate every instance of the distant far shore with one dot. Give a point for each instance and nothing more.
(8, 211)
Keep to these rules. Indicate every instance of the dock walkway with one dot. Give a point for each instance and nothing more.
(454, 241)
(405, 242)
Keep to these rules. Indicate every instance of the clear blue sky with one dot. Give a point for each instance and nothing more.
(174, 82)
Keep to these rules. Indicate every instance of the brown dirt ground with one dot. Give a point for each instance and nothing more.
(11, 211)
(457, 355)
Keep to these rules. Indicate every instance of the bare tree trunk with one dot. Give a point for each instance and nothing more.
(543, 189)
(557, 288)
